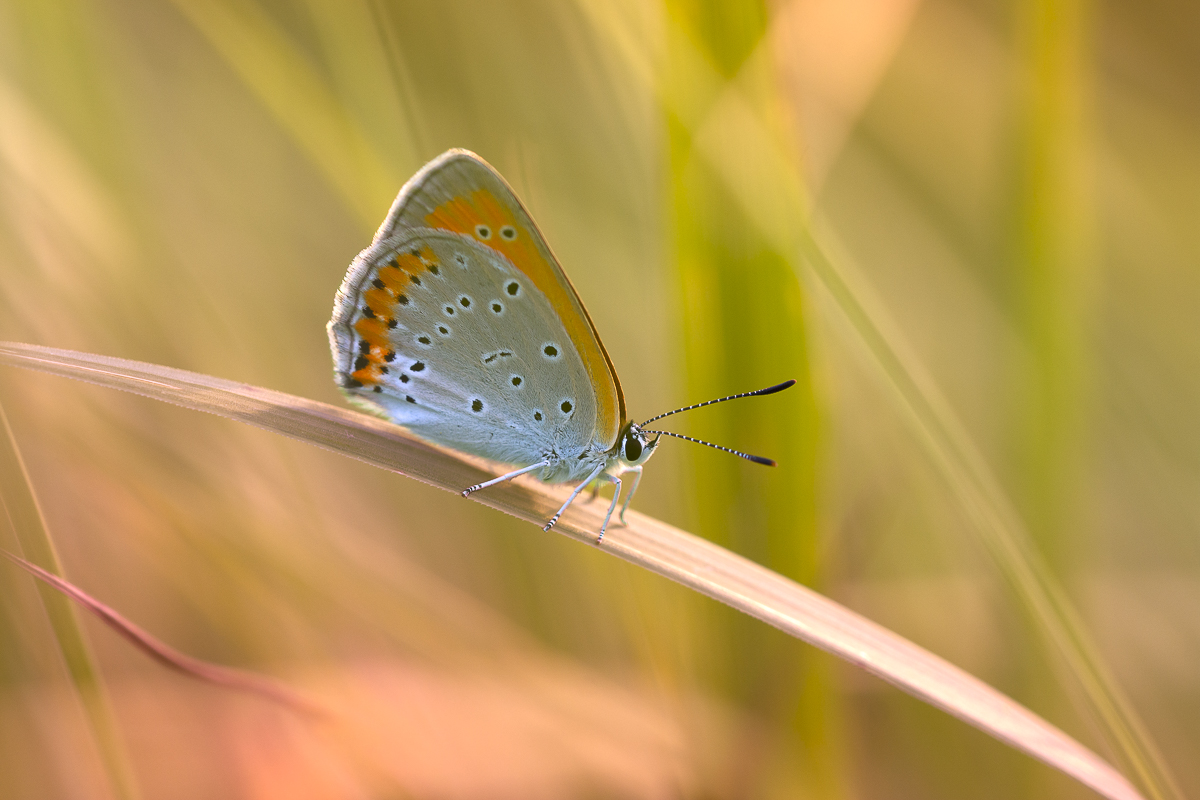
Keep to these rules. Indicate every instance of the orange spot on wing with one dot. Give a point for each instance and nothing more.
(373, 330)
(392, 277)
(409, 263)
(381, 301)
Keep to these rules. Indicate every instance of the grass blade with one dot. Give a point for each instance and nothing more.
(734, 137)
(658, 547)
(166, 655)
(19, 510)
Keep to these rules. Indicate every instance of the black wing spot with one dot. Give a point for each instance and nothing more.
(368, 313)
(391, 356)
(477, 405)
(497, 307)
(516, 380)
(550, 351)
(383, 370)
(537, 415)
(424, 340)
(402, 299)
(377, 283)
(443, 330)
(378, 390)
(392, 323)
(490, 357)
(508, 232)
(461, 259)
(360, 362)
(513, 288)
(449, 311)
(433, 268)
(352, 383)
(464, 301)
(566, 406)
(483, 232)
(418, 366)
(409, 398)
(404, 378)
(364, 347)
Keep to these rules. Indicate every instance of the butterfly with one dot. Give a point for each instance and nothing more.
(459, 324)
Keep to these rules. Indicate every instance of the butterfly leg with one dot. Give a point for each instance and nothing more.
(637, 478)
(466, 492)
(595, 474)
(611, 506)
(595, 492)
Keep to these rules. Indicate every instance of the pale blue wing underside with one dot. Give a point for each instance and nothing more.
(480, 362)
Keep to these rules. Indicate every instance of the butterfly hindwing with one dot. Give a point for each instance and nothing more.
(446, 337)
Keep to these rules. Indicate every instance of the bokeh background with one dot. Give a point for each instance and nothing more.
(1016, 185)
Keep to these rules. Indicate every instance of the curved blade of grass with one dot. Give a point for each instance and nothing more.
(19, 510)
(740, 146)
(661, 548)
(168, 656)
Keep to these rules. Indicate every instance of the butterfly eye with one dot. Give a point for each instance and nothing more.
(633, 448)
(508, 232)
(483, 231)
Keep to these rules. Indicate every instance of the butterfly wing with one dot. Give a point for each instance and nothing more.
(443, 335)
(460, 192)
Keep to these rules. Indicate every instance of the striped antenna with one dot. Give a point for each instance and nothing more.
(769, 390)
(756, 459)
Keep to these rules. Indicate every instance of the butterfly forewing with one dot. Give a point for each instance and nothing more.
(446, 337)
(460, 192)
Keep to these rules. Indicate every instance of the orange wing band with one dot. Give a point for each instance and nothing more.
(385, 299)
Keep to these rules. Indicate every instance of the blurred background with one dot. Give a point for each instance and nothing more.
(1015, 184)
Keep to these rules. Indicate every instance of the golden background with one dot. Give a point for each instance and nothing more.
(1015, 186)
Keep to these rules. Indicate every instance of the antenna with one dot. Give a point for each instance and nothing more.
(779, 387)
(769, 390)
(756, 459)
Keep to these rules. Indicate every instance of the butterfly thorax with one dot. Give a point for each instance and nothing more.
(632, 449)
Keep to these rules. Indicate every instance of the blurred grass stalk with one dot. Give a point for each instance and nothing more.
(744, 325)
(1053, 265)
(727, 122)
(26, 525)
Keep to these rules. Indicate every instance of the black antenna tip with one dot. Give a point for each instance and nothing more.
(766, 462)
(777, 388)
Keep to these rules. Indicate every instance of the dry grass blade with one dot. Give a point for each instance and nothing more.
(656, 546)
(21, 515)
(168, 656)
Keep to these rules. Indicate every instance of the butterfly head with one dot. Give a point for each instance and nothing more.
(636, 447)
